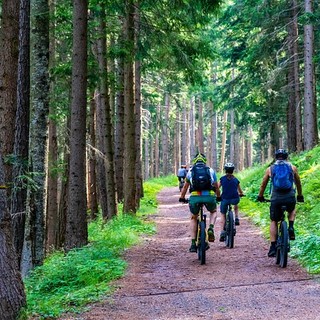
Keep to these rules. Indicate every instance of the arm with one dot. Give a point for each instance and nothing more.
(184, 189)
(216, 186)
(297, 180)
(240, 190)
(264, 183)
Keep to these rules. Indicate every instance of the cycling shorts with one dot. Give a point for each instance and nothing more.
(225, 202)
(209, 202)
(275, 207)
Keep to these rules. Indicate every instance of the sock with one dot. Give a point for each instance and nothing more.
(193, 241)
(273, 244)
(211, 226)
(291, 224)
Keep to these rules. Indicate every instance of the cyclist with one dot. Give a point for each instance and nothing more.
(231, 193)
(182, 173)
(285, 197)
(205, 195)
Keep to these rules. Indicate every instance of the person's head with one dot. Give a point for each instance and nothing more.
(281, 154)
(229, 167)
(200, 157)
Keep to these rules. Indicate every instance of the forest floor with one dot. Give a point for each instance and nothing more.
(164, 281)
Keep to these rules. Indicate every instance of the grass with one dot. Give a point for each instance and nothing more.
(68, 282)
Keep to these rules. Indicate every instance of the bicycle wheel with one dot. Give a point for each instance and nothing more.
(202, 242)
(284, 244)
(230, 230)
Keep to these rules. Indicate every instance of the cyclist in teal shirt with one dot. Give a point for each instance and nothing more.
(207, 197)
(231, 193)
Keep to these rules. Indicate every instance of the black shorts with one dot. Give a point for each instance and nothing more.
(275, 207)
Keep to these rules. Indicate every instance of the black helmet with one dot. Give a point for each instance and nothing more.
(281, 154)
(229, 167)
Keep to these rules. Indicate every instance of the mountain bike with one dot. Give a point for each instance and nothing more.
(283, 240)
(230, 228)
(201, 236)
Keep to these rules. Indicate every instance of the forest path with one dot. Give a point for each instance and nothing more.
(166, 282)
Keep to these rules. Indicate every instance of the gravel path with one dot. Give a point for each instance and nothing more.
(166, 282)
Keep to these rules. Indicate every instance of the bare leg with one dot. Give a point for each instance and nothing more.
(273, 231)
(193, 226)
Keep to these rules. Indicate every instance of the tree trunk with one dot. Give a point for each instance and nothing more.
(12, 296)
(21, 143)
(8, 79)
(165, 135)
(310, 111)
(129, 172)
(76, 228)
(223, 140)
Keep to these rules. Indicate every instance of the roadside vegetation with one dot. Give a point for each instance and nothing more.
(69, 282)
(66, 283)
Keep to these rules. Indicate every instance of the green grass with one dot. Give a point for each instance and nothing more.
(67, 283)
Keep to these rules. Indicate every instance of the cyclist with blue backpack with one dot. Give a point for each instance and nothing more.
(203, 186)
(283, 177)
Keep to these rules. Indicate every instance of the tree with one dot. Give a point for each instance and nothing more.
(76, 227)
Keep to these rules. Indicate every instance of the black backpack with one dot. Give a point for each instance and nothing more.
(201, 178)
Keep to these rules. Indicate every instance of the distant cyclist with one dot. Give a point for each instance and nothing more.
(182, 173)
(202, 181)
(283, 177)
(231, 193)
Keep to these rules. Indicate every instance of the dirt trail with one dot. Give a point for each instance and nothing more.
(166, 282)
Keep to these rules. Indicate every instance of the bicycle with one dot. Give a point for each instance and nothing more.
(201, 236)
(230, 228)
(283, 240)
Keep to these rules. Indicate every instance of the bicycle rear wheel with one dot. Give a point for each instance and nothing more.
(230, 230)
(202, 242)
(284, 244)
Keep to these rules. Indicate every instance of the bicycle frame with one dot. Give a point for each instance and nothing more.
(283, 242)
(230, 227)
(201, 238)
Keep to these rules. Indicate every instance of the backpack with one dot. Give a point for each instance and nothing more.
(201, 177)
(282, 177)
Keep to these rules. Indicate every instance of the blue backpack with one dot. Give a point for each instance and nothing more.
(282, 177)
(201, 178)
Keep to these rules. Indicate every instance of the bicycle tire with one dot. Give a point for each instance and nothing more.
(202, 243)
(284, 244)
(230, 230)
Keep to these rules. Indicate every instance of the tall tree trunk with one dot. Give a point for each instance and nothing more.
(310, 110)
(52, 217)
(76, 228)
(129, 172)
(8, 79)
(21, 142)
(12, 295)
(157, 144)
(34, 242)
(192, 129)
(223, 140)
(165, 135)
(214, 130)
(92, 177)
(106, 113)
(232, 134)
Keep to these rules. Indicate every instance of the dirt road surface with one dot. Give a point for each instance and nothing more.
(166, 282)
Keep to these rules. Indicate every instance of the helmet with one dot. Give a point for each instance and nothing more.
(229, 167)
(281, 154)
(200, 157)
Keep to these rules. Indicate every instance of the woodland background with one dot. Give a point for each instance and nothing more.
(98, 96)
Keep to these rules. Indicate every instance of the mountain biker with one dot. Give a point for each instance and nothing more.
(281, 198)
(231, 193)
(182, 173)
(207, 197)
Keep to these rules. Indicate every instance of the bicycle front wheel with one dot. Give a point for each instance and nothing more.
(283, 245)
(230, 230)
(202, 242)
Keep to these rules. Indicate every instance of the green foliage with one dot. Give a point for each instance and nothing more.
(67, 282)
(307, 224)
